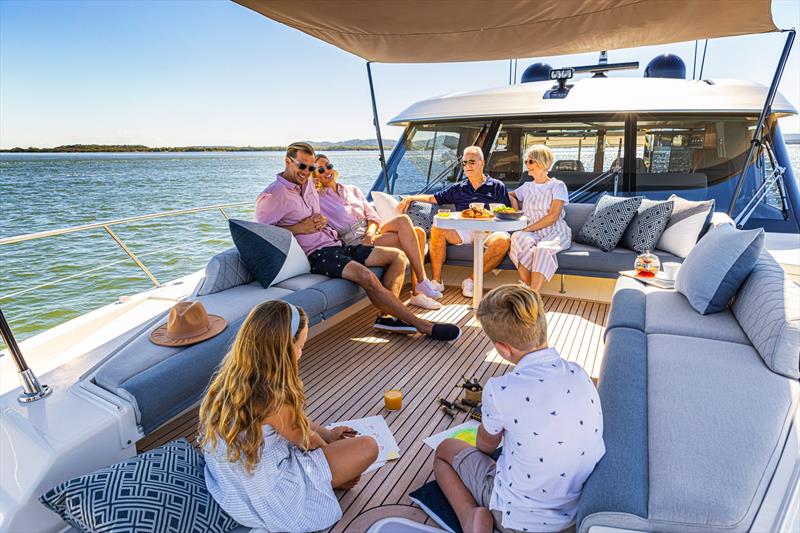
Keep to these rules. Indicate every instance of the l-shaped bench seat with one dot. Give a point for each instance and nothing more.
(697, 409)
(160, 381)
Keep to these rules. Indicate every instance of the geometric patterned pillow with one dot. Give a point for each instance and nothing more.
(607, 223)
(270, 253)
(647, 226)
(162, 490)
(422, 213)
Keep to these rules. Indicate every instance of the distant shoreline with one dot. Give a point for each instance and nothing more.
(111, 148)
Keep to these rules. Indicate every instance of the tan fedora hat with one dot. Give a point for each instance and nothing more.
(188, 323)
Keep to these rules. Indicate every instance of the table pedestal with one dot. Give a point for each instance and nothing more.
(479, 238)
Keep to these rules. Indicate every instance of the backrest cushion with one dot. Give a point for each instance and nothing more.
(224, 271)
(270, 253)
(685, 226)
(162, 490)
(646, 228)
(575, 214)
(768, 309)
(717, 266)
(386, 206)
(607, 223)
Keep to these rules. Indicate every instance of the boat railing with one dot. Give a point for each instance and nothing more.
(585, 190)
(32, 389)
(772, 181)
(107, 225)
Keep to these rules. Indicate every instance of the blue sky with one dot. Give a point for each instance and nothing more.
(177, 73)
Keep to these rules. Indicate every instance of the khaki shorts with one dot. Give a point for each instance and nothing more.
(476, 470)
(467, 237)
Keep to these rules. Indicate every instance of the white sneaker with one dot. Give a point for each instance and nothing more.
(427, 288)
(467, 288)
(420, 300)
(437, 285)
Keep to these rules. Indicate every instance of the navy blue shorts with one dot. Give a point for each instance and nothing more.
(330, 261)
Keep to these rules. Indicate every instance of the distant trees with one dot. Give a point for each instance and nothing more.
(142, 148)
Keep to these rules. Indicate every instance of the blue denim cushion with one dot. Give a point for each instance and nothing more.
(717, 266)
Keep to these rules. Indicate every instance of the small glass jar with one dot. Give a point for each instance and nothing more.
(647, 265)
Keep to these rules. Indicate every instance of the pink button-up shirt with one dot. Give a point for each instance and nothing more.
(346, 206)
(283, 203)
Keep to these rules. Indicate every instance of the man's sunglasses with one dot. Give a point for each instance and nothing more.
(303, 166)
(468, 162)
(530, 161)
(321, 169)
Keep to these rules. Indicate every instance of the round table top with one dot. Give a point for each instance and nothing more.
(479, 224)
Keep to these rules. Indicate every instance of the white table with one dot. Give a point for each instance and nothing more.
(479, 227)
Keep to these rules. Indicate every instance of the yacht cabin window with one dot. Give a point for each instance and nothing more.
(584, 152)
(429, 155)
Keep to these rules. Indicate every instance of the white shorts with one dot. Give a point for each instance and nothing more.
(467, 237)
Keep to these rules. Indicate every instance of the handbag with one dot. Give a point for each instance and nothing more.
(354, 234)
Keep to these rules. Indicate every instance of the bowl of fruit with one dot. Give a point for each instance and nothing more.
(507, 213)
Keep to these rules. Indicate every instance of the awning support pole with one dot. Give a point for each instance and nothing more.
(32, 390)
(377, 127)
(765, 111)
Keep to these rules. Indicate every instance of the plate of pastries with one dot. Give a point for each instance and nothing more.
(476, 212)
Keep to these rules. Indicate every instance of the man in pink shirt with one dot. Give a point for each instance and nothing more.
(291, 202)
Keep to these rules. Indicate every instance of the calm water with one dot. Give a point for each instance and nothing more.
(48, 191)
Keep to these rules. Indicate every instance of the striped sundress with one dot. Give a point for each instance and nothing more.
(536, 250)
(290, 490)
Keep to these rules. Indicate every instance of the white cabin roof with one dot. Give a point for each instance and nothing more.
(600, 96)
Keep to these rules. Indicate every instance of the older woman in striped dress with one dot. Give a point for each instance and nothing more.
(534, 249)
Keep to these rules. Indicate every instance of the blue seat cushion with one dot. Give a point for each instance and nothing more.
(160, 491)
(620, 482)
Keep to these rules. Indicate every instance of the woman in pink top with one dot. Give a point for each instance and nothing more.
(357, 222)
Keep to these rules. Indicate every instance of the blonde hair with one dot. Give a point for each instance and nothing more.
(540, 153)
(514, 315)
(474, 150)
(258, 376)
(318, 184)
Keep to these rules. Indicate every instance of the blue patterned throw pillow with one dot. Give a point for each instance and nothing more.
(160, 491)
(607, 223)
(270, 253)
(646, 228)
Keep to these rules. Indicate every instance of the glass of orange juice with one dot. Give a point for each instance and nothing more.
(444, 213)
(393, 399)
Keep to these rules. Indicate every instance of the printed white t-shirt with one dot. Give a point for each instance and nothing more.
(552, 423)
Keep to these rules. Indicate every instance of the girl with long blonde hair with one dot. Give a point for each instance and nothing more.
(267, 465)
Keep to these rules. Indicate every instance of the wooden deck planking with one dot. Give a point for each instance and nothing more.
(346, 369)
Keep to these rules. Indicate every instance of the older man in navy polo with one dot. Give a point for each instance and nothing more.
(478, 187)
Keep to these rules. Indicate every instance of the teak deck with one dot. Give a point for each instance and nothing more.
(346, 369)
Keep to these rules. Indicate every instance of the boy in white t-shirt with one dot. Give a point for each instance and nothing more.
(547, 413)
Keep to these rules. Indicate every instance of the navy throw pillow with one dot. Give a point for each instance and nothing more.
(717, 266)
(607, 223)
(270, 253)
(160, 491)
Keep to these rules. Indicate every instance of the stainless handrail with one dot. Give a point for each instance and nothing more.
(96, 225)
(32, 390)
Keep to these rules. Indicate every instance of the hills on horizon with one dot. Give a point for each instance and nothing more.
(349, 144)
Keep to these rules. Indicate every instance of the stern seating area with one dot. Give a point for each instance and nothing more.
(145, 374)
(696, 408)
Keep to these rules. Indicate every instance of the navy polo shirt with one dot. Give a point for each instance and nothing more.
(461, 194)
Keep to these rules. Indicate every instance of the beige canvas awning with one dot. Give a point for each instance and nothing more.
(429, 31)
